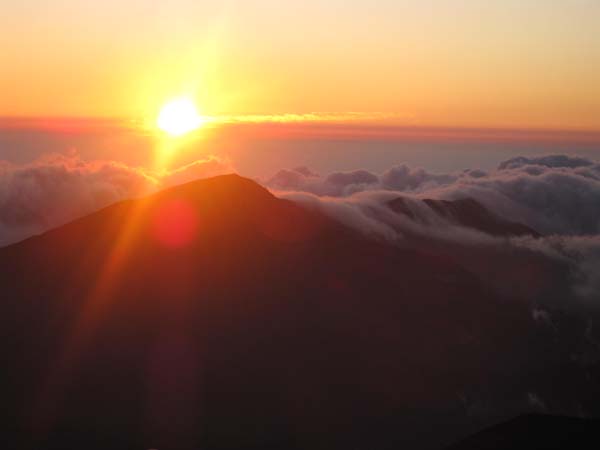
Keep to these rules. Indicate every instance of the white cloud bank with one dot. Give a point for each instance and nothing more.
(552, 194)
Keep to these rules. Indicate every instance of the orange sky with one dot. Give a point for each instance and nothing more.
(524, 64)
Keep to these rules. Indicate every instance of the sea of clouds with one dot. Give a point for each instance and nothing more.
(555, 195)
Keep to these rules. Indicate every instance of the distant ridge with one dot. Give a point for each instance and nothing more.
(536, 432)
(465, 212)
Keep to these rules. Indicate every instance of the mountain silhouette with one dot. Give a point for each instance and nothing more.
(535, 432)
(215, 315)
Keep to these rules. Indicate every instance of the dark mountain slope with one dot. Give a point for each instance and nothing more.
(465, 212)
(535, 432)
(214, 315)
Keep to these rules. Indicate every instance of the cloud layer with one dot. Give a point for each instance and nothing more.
(552, 194)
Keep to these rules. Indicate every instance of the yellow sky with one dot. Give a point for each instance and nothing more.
(527, 63)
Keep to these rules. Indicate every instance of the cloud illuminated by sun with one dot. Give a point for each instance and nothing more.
(179, 117)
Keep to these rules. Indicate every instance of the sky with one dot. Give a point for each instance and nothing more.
(461, 63)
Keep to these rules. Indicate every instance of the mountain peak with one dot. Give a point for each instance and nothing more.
(228, 185)
(534, 431)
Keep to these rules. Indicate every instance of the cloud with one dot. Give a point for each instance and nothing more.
(580, 256)
(556, 195)
(546, 161)
(335, 184)
(365, 212)
(58, 188)
(555, 271)
(404, 178)
(292, 179)
(552, 194)
(558, 199)
(327, 117)
(202, 168)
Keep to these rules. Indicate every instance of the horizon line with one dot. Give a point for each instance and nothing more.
(322, 125)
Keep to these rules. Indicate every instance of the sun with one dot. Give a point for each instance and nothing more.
(179, 117)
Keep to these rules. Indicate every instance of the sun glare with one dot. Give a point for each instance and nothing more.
(178, 117)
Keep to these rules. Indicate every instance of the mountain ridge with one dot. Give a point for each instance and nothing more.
(465, 212)
(247, 322)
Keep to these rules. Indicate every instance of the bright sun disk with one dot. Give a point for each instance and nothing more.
(178, 117)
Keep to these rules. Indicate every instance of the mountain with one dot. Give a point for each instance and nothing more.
(535, 432)
(465, 212)
(215, 315)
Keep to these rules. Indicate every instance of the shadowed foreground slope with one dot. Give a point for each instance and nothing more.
(535, 432)
(214, 315)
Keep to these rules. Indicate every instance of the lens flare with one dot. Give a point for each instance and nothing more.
(175, 224)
